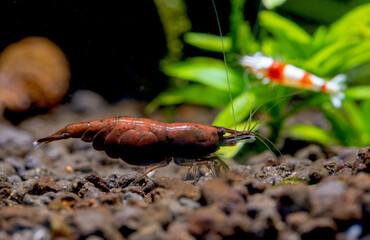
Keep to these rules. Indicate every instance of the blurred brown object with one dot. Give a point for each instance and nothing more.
(362, 163)
(33, 71)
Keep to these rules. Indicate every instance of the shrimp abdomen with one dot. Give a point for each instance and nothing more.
(81, 130)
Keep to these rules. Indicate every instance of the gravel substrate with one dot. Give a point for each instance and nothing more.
(67, 190)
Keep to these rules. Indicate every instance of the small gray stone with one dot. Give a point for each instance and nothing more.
(6, 169)
(32, 162)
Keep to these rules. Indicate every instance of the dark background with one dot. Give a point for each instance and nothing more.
(113, 46)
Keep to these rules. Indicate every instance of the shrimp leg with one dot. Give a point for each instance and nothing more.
(209, 162)
(159, 165)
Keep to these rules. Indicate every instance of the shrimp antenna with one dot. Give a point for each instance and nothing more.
(267, 146)
(227, 72)
(275, 104)
(249, 121)
(260, 137)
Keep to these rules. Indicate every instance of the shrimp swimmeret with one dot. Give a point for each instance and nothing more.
(291, 76)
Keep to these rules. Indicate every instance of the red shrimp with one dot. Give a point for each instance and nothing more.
(146, 142)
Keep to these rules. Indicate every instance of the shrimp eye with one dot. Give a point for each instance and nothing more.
(221, 131)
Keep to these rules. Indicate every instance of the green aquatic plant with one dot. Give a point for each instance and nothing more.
(342, 47)
(294, 180)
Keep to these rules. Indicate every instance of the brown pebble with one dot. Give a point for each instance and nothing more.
(12, 218)
(46, 184)
(96, 221)
(178, 188)
(98, 182)
(291, 198)
(64, 200)
(362, 163)
(209, 223)
(312, 228)
(217, 192)
(178, 231)
(148, 232)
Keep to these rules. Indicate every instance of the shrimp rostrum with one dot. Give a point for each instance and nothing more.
(146, 142)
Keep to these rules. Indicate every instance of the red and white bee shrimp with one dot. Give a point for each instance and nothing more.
(291, 76)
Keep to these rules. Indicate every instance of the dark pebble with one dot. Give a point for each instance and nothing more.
(126, 181)
(46, 184)
(326, 193)
(88, 190)
(128, 219)
(64, 200)
(5, 182)
(312, 152)
(34, 173)
(176, 188)
(36, 200)
(21, 189)
(312, 228)
(209, 223)
(98, 182)
(39, 233)
(55, 152)
(16, 218)
(258, 203)
(189, 203)
(4, 196)
(32, 161)
(242, 225)
(217, 192)
(132, 198)
(255, 186)
(15, 179)
(178, 231)
(76, 185)
(362, 163)
(148, 232)
(16, 162)
(111, 199)
(96, 222)
(291, 198)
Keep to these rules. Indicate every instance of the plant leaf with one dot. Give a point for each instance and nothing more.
(326, 56)
(207, 71)
(195, 93)
(243, 104)
(286, 30)
(358, 92)
(356, 120)
(271, 4)
(365, 109)
(340, 125)
(245, 41)
(359, 75)
(229, 152)
(357, 55)
(353, 24)
(208, 42)
(311, 133)
(318, 39)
